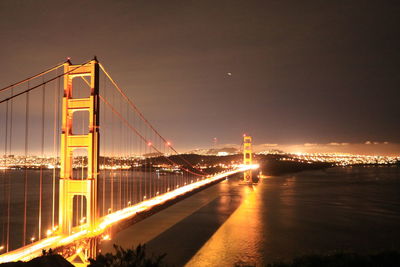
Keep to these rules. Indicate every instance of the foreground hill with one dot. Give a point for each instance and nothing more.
(42, 261)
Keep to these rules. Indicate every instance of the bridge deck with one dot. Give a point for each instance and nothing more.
(35, 249)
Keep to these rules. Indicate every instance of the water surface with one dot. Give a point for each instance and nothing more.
(352, 208)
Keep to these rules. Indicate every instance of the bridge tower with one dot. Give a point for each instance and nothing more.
(247, 158)
(86, 187)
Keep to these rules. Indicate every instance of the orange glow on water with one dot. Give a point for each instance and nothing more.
(239, 239)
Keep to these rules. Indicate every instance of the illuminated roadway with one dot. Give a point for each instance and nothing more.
(53, 241)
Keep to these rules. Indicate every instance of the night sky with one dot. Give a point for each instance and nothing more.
(301, 71)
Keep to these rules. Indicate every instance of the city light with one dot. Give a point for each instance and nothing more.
(337, 159)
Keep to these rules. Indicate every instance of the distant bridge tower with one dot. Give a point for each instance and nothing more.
(85, 188)
(247, 158)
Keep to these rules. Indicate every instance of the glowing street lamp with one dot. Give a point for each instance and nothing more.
(49, 232)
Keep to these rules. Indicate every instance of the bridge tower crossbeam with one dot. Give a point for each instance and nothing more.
(87, 187)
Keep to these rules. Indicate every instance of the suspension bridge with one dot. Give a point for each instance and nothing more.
(79, 157)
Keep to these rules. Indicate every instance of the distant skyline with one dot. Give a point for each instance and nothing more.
(285, 72)
(367, 148)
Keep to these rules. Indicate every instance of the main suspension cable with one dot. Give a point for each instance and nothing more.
(39, 85)
(135, 108)
(33, 77)
(141, 136)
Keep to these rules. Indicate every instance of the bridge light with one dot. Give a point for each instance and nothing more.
(83, 220)
(168, 143)
(106, 237)
(149, 143)
(144, 197)
(78, 250)
(55, 227)
(49, 232)
(157, 193)
(129, 203)
(1, 248)
(32, 239)
(109, 210)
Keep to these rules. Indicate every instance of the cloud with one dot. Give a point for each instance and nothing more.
(334, 144)
(270, 145)
(338, 144)
(374, 143)
(310, 144)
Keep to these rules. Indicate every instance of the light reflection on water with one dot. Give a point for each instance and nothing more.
(355, 209)
(231, 240)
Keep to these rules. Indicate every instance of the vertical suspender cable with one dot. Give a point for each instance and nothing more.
(26, 167)
(103, 169)
(9, 175)
(140, 175)
(55, 150)
(127, 191)
(5, 214)
(102, 131)
(145, 158)
(120, 140)
(112, 156)
(41, 165)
